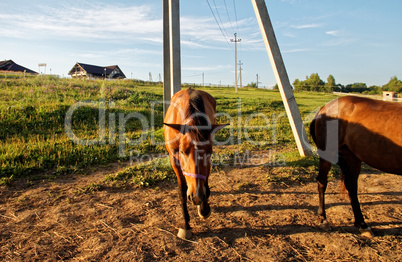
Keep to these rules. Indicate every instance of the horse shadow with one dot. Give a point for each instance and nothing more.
(239, 230)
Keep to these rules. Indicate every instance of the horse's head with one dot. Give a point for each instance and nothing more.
(194, 157)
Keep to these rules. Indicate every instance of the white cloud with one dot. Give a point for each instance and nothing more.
(297, 50)
(88, 21)
(333, 33)
(305, 26)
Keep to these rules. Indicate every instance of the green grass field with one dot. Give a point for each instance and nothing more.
(113, 119)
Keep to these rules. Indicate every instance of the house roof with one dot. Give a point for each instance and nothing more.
(97, 70)
(10, 65)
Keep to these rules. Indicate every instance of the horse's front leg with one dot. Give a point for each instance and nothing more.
(204, 210)
(184, 229)
(322, 181)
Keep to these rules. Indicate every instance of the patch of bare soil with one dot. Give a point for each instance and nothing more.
(74, 219)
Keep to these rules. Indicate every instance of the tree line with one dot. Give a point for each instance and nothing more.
(314, 83)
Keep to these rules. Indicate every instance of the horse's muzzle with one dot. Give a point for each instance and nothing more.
(197, 199)
(198, 196)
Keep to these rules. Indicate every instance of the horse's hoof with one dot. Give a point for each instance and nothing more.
(184, 233)
(200, 213)
(366, 233)
(324, 225)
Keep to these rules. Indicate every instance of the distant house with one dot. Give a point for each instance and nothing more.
(390, 96)
(81, 70)
(9, 66)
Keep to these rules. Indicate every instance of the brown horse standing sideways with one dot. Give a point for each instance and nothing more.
(352, 130)
(189, 128)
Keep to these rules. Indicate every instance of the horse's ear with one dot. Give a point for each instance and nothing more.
(181, 128)
(216, 128)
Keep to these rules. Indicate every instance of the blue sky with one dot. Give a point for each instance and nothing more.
(355, 41)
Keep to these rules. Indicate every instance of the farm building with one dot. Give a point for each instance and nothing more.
(9, 66)
(390, 96)
(81, 70)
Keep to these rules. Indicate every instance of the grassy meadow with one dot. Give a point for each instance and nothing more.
(111, 120)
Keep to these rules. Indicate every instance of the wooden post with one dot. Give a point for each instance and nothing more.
(282, 78)
(171, 51)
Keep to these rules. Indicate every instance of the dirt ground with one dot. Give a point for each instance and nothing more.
(70, 219)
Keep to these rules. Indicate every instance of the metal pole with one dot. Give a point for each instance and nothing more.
(282, 78)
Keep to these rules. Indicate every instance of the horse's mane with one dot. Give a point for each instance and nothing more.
(196, 112)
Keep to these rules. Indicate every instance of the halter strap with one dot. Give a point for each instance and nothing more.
(194, 175)
(199, 176)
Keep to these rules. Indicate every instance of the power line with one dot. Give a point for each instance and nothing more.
(237, 25)
(216, 20)
(219, 16)
(227, 13)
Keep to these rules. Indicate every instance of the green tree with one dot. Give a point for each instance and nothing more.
(252, 84)
(331, 84)
(394, 85)
(314, 82)
(356, 88)
(374, 90)
(297, 85)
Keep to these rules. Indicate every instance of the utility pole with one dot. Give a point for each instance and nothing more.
(203, 79)
(171, 51)
(282, 78)
(235, 41)
(240, 64)
(257, 81)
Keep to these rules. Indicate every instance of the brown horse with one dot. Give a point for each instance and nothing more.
(189, 128)
(352, 130)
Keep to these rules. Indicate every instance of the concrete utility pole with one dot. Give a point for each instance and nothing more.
(171, 51)
(240, 64)
(282, 78)
(257, 81)
(235, 41)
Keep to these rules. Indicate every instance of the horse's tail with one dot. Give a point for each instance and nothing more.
(312, 130)
(342, 188)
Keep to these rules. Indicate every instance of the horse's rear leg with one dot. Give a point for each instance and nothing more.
(322, 181)
(351, 166)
